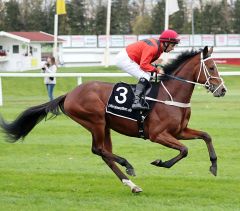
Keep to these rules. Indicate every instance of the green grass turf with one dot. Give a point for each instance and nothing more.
(54, 169)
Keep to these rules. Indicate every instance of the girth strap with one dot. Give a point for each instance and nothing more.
(140, 122)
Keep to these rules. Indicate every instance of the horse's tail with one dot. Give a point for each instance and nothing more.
(26, 121)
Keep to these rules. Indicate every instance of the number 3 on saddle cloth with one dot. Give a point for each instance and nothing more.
(121, 100)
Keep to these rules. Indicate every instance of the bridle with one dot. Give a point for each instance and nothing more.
(208, 76)
(207, 84)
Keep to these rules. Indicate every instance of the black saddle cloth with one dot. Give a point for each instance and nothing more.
(122, 97)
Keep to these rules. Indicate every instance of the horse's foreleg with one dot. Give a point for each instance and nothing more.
(121, 176)
(188, 134)
(171, 142)
(120, 160)
(98, 148)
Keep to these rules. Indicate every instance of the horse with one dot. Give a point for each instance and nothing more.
(166, 124)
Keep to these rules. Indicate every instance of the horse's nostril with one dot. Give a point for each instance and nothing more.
(224, 90)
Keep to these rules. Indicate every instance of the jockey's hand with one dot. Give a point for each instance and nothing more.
(159, 70)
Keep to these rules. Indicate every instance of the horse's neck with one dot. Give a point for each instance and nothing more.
(179, 90)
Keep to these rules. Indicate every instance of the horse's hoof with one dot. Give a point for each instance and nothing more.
(137, 189)
(131, 172)
(157, 163)
(213, 170)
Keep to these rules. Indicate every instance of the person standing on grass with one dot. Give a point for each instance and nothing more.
(50, 67)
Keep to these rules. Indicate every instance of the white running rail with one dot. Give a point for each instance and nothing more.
(79, 76)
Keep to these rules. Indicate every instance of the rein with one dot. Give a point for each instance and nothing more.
(182, 79)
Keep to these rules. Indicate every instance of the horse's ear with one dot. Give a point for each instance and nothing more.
(205, 52)
(210, 50)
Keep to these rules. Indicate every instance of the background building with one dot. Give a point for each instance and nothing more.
(24, 50)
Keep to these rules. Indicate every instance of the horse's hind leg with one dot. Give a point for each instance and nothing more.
(98, 148)
(169, 141)
(188, 134)
(120, 160)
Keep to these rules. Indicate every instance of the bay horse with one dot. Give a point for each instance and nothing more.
(166, 124)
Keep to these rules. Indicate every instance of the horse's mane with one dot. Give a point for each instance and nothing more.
(169, 68)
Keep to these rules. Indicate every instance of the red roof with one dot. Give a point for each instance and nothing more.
(36, 36)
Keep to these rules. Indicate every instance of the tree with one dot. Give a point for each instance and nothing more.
(142, 7)
(158, 17)
(179, 20)
(225, 18)
(63, 26)
(211, 18)
(128, 16)
(12, 16)
(24, 13)
(76, 17)
(100, 20)
(142, 25)
(197, 21)
(134, 9)
(2, 15)
(236, 17)
(120, 17)
(36, 19)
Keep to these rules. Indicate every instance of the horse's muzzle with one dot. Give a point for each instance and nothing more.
(219, 91)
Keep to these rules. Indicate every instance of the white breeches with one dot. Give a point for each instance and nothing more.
(126, 64)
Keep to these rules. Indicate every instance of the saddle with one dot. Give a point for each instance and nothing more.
(121, 100)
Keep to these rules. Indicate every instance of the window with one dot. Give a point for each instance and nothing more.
(31, 50)
(15, 49)
(1, 47)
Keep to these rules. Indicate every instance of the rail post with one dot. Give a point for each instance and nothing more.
(1, 97)
(79, 80)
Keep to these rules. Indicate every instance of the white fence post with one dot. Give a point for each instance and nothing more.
(79, 80)
(1, 97)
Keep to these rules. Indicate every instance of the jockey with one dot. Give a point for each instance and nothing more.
(137, 58)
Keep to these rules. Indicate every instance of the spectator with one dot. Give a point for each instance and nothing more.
(50, 67)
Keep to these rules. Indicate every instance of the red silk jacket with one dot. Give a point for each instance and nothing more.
(144, 52)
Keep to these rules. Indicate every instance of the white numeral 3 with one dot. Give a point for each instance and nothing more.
(122, 95)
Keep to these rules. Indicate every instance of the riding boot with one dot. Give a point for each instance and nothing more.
(139, 94)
